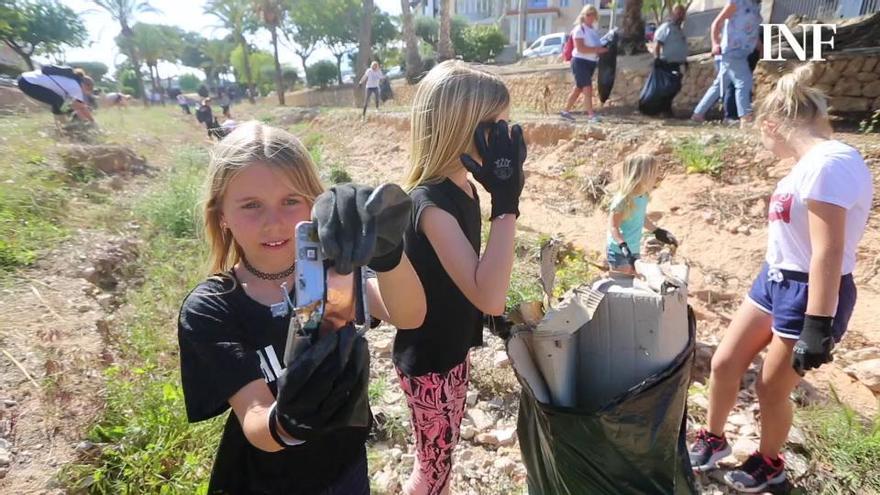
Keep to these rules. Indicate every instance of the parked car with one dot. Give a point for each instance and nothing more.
(394, 72)
(549, 44)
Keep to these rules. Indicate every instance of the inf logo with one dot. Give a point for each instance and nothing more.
(503, 170)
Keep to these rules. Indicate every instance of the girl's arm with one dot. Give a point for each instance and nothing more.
(615, 219)
(649, 225)
(397, 296)
(827, 234)
(718, 23)
(483, 280)
(251, 406)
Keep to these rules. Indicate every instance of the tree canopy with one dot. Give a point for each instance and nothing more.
(41, 27)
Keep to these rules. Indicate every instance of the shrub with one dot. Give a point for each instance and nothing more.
(322, 73)
(481, 43)
(700, 158)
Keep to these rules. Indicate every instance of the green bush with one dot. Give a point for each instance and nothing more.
(322, 73)
(481, 43)
(700, 158)
(189, 83)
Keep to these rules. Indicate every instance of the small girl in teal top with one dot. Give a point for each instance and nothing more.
(627, 216)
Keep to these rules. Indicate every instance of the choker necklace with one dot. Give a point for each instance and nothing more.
(268, 276)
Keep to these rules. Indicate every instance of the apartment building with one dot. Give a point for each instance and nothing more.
(551, 16)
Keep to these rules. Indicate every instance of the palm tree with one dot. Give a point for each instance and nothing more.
(413, 60)
(124, 12)
(272, 13)
(217, 52)
(633, 36)
(445, 51)
(237, 17)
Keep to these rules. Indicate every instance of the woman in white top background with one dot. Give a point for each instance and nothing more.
(373, 76)
(64, 89)
(584, 59)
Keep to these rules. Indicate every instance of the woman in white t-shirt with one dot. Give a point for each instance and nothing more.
(802, 300)
(584, 58)
(373, 76)
(64, 89)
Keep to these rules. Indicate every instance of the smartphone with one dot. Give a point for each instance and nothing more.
(310, 281)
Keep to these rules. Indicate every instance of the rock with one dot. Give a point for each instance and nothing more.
(744, 230)
(854, 66)
(847, 87)
(869, 64)
(708, 216)
(480, 419)
(748, 431)
(850, 104)
(796, 464)
(867, 372)
(743, 448)
(506, 436)
(383, 345)
(466, 455)
(867, 77)
(9, 403)
(395, 453)
(407, 461)
(496, 404)
(5, 458)
(501, 360)
(486, 439)
(862, 354)
(872, 89)
(504, 465)
(471, 399)
(591, 132)
(467, 432)
(796, 437)
(739, 419)
(386, 482)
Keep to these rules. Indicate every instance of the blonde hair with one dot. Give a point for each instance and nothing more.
(450, 102)
(637, 172)
(587, 10)
(251, 142)
(84, 78)
(794, 103)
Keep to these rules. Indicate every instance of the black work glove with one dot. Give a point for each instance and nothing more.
(627, 253)
(502, 171)
(359, 225)
(813, 348)
(665, 236)
(324, 385)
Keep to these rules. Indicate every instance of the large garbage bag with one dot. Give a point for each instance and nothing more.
(608, 65)
(385, 90)
(661, 87)
(633, 443)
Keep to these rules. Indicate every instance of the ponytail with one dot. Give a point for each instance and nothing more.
(794, 103)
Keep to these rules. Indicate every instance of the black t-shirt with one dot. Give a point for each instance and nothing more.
(452, 324)
(228, 340)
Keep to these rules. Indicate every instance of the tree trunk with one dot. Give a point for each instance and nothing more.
(249, 78)
(633, 29)
(521, 40)
(279, 84)
(339, 67)
(365, 40)
(304, 58)
(413, 60)
(21, 53)
(445, 51)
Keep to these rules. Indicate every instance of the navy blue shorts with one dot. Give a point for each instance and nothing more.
(783, 294)
(583, 72)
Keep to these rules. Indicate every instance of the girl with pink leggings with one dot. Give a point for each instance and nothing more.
(458, 126)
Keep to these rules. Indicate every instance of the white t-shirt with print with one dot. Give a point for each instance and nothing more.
(831, 172)
(590, 37)
(64, 87)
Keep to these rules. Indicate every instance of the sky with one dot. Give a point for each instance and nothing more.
(187, 14)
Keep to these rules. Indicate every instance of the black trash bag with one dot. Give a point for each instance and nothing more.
(608, 66)
(660, 89)
(385, 92)
(634, 445)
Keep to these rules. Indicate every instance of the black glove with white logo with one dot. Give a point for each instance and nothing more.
(501, 174)
(813, 348)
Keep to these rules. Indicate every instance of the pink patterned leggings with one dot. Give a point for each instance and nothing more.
(436, 402)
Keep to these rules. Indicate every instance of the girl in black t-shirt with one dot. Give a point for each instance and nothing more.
(298, 427)
(458, 113)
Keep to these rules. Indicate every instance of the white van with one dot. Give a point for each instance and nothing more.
(549, 44)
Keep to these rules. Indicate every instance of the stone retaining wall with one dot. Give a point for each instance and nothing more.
(850, 79)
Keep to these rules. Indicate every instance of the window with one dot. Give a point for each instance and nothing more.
(536, 27)
(552, 41)
(564, 3)
(537, 4)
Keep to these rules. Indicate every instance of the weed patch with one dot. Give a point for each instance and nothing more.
(700, 158)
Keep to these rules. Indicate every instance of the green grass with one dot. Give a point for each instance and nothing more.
(33, 193)
(150, 446)
(699, 158)
(844, 448)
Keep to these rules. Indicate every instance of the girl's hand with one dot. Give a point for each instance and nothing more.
(813, 348)
(502, 171)
(359, 225)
